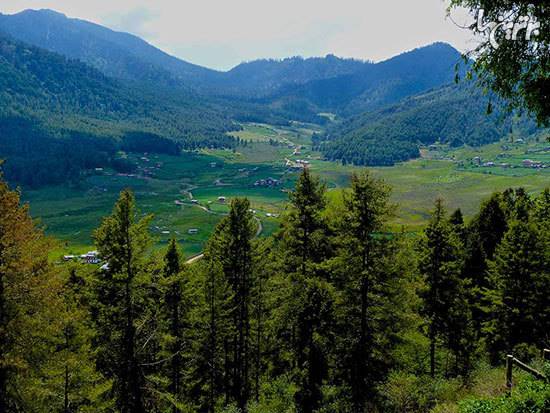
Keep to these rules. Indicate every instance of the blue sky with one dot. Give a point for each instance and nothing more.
(220, 33)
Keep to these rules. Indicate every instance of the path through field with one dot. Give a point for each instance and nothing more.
(201, 255)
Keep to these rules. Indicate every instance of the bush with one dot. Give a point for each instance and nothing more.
(530, 396)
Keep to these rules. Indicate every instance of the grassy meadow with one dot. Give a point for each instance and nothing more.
(70, 213)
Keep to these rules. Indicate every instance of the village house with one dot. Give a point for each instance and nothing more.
(91, 257)
(528, 163)
(267, 182)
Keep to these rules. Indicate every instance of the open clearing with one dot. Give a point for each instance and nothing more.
(184, 192)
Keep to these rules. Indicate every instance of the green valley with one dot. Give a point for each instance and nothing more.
(166, 185)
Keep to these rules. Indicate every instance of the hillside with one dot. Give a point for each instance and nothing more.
(376, 85)
(116, 54)
(116, 82)
(455, 115)
(297, 84)
(45, 97)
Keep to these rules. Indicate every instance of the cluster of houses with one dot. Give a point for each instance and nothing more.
(268, 182)
(297, 165)
(91, 257)
(526, 163)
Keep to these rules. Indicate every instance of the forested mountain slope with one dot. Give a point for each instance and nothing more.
(455, 115)
(116, 54)
(47, 102)
(323, 83)
(377, 85)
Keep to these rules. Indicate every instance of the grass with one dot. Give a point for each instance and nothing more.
(72, 213)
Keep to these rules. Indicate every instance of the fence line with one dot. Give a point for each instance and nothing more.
(511, 360)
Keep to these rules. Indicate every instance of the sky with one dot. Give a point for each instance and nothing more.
(223, 33)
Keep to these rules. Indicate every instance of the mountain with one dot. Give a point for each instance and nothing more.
(314, 84)
(116, 54)
(373, 86)
(268, 76)
(454, 115)
(52, 108)
(95, 80)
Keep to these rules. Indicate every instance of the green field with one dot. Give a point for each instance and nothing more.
(71, 213)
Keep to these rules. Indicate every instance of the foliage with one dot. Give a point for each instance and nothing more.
(453, 115)
(517, 70)
(332, 314)
(530, 396)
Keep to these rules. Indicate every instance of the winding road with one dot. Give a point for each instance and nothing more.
(201, 255)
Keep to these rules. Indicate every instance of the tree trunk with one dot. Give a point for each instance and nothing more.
(66, 391)
(432, 351)
(174, 387)
(3, 370)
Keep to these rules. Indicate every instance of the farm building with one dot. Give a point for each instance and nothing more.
(91, 257)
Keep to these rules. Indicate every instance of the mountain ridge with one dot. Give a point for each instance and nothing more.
(126, 56)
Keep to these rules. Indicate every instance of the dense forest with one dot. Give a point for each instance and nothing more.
(66, 93)
(109, 84)
(60, 118)
(334, 313)
(455, 115)
(36, 155)
(325, 81)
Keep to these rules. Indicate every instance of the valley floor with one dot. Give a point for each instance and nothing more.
(188, 194)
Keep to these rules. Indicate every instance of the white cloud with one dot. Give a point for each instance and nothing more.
(221, 33)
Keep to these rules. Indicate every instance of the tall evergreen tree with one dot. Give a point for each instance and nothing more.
(174, 311)
(457, 221)
(309, 311)
(231, 247)
(213, 328)
(440, 264)
(520, 281)
(482, 237)
(304, 229)
(73, 383)
(366, 209)
(30, 296)
(490, 224)
(122, 241)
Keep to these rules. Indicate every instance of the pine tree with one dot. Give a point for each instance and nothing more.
(213, 314)
(490, 224)
(519, 273)
(481, 239)
(304, 229)
(231, 247)
(30, 296)
(440, 264)
(457, 221)
(175, 306)
(366, 209)
(122, 242)
(309, 309)
(541, 219)
(72, 383)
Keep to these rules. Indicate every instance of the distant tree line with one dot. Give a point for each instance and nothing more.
(36, 155)
(334, 313)
(453, 115)
(59, 94)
